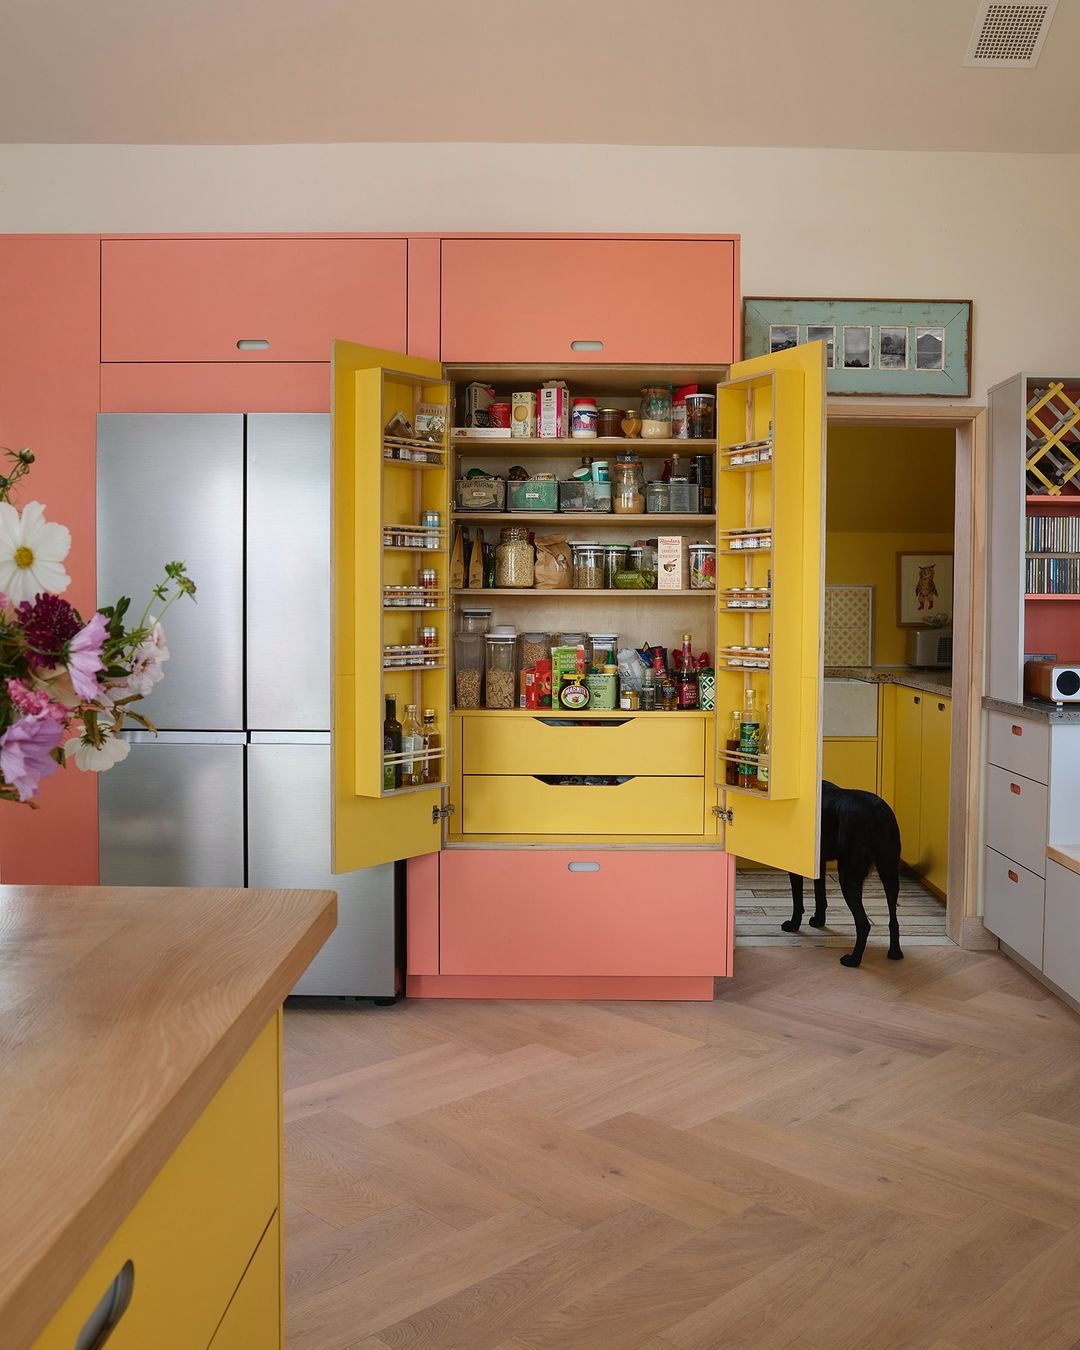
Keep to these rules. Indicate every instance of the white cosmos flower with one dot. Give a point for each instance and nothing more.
(31, 551)
(90, 757)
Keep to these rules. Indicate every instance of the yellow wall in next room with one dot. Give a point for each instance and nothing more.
(890, 490)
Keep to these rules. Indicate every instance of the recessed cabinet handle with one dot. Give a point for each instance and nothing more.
(1017, 731)
(1014, 788)
(252, 345)
(917, 699)
(941, 707)
(1013, 876)
(583, 867)
(112, 1305)
(586, 345)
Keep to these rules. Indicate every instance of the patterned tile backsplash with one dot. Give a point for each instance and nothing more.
(849, 625)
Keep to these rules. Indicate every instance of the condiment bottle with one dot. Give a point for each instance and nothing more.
(648, 691)
(412, 749)
(763, 752)
(731, 745)
(391, 746)
(749, 740)
(432, 748)
(687, 679)
(669, 690)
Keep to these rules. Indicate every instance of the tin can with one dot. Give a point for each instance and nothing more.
(523, 413)
(499, 414)
(707, 690)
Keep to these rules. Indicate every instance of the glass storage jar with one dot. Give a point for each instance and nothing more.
(474, 620)
(533, 647)
(609, 422)
(515, 559)
(703, 567)
(628, 486)
(469, 657)
(500, 680)
(656, 412)
(657, 497)
(588, 566)
(701, 416)
(601, 649)
(614, 561)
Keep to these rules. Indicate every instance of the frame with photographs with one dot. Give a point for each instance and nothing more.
(920, 348)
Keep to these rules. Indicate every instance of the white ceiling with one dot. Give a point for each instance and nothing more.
(873, 74)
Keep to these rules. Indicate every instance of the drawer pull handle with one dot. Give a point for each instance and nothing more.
(917, 699)
(941, 707)
(583, 780)
(112, 1305)
(1013, 876)
(583, 867)
(586, 345)
(252, 345)
(1017, 731)
(581, 722)
(1014, 788)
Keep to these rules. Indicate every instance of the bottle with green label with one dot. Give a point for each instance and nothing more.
(749, 740)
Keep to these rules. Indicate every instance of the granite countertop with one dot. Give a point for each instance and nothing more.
(930, 681)
(124, 1010)
(1036, 708)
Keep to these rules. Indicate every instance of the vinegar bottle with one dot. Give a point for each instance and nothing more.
(763, 753)
(391, 746)
(749, 740)
(433, 765)
(412, 747)
(731, 745)
(687, 676)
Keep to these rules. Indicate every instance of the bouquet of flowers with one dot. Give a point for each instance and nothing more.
(66, 684)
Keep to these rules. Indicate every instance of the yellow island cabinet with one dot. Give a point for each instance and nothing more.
(140, 1125)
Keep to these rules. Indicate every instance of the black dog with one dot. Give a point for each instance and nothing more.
(858, 831)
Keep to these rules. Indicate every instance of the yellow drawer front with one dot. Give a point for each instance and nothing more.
(253, 1318)
(850, 763)
(191, 1235)
(521, 805)
(652, 744)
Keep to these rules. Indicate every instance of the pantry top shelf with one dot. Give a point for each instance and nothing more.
(599, 447)
(588, 377)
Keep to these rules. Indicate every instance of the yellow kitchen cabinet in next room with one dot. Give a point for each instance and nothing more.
(850, 762)
(917, 730)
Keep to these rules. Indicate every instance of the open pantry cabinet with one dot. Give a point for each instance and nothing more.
(592, 854)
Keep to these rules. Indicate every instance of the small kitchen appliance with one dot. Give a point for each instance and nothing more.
(929, 646)
(1052, 680)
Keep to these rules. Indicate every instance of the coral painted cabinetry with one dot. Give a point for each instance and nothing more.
(638, 301)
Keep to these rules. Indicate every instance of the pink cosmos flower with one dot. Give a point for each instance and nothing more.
(84, 657)
(146, 662)
(32, 702)
(25, 752)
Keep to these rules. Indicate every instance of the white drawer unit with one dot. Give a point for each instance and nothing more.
(1016, 818)
(1019, 745)
(1061, 941)
(1014, 905)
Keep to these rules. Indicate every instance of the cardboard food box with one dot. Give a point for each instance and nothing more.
(478, 398)
(671, 563)
(553, 410)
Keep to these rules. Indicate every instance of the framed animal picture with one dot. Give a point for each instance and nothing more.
(924, 589)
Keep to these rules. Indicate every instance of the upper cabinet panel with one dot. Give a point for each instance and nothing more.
(637, 301)
(249, 299)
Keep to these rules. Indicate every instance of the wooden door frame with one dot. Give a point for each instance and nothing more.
(968, 421)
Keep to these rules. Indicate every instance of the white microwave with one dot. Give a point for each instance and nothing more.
(929, 646)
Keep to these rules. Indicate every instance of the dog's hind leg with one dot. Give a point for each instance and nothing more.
(793, 924)
(889, 872)
(851, 885)
(821, 904)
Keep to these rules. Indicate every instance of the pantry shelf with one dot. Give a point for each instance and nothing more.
(705, 520)
(551, 445)
(563, 715)
(1065, 596)
(393, 461)
(477, 593)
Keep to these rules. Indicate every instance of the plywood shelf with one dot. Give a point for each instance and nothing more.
(524, 594)
(708, 521)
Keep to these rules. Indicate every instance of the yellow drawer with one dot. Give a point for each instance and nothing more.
(671, 745)
(191, 1235)
(254, 1315)
(524, 805)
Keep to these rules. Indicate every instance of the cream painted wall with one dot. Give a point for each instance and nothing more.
(999, 229)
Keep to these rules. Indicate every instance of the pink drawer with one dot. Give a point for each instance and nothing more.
(662, 301)
(602, 912)
(195, 299)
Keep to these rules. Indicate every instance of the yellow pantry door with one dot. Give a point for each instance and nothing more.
(372, 823)
(778, 398)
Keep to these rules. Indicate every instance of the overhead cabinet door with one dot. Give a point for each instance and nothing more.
(643, 301)
(249, 299)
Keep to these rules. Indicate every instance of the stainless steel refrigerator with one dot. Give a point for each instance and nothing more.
(235, 789)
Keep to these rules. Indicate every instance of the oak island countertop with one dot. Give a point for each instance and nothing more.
(122, 1011)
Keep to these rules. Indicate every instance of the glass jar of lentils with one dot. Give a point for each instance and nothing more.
(515, 559)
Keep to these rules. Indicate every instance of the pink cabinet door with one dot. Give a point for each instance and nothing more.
(584, 913)
(665, 301)
(197, 299)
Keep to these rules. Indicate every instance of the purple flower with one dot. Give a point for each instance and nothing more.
(48, 623)
(26, 752)
(84, 657)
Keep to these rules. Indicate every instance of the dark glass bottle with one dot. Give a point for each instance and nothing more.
(391, 746)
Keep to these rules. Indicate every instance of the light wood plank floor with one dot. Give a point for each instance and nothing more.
(763, 902)
(822, 1159)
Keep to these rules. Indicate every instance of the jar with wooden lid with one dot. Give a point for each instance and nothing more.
(515, 559)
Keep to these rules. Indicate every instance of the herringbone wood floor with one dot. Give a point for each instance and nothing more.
(822, 1159)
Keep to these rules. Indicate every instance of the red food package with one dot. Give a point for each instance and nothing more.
(542, 670)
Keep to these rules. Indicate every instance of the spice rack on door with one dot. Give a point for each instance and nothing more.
(412, 669)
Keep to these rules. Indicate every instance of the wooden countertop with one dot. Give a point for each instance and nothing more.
(1067, 855)
(122, 1011)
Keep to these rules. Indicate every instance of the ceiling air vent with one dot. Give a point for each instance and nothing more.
(1009, 34)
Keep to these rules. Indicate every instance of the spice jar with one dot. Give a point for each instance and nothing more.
(628, 486)
(588, 566)
(656, 412)
(703, 567)
(583, 419)
(609, 422)
(515, 559)
(500, 681)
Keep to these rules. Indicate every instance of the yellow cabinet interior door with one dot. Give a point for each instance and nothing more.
(934, 803)
(368, 386)
(253, 1318)
(907, 773)
(850, 763)
(787, 390)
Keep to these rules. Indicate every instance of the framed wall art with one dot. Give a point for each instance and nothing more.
(924, 588)
(920, 348)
